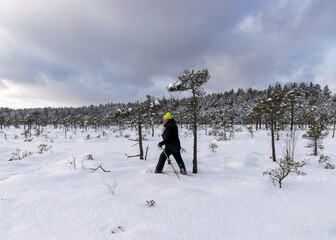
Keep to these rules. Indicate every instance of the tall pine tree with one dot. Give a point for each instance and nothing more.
(192, 81)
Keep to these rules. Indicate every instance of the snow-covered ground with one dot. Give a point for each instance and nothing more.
(43, 197)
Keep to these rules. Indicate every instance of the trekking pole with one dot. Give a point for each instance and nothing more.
(170, 163)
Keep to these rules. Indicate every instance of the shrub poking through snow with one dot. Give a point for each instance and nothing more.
(119, 229)
(104, 134)
(286, 166)
(89, 157)
(26, 154)
(325, 160)
(73, 164)
(150, 203)
(16, 155)
(44, 148)
(213, 146)
(250, 130)
(4, 134)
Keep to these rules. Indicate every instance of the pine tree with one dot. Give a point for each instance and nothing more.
(192, 81)
(151, 107)
(272, 107)
(286, 165)
(315, 134)
(139, 115)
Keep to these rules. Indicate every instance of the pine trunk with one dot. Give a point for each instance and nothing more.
(315, 147)
(195, 133)
(195, 147)
(292, 117)
(140, 137)
(273, 142)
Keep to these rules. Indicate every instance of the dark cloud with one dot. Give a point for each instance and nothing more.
(82, 52)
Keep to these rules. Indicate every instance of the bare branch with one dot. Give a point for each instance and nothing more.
(130, 156)
(100, 166)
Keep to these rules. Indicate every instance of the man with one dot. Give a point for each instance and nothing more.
(172, 145)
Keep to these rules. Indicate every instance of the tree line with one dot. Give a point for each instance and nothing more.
(275, 108)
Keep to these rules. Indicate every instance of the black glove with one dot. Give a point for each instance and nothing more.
(160, 144)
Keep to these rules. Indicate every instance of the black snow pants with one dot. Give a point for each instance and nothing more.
(163, 158)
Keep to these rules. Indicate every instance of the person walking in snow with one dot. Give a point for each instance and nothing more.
(172, 145)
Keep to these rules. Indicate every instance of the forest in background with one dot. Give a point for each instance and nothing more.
(279, 106)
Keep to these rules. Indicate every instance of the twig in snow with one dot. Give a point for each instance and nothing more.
(110, 188)
(73, 163)
(130, 156)
(100, 166)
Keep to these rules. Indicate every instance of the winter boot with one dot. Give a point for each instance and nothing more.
(183, 171)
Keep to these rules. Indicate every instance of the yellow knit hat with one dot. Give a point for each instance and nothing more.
(167, 116)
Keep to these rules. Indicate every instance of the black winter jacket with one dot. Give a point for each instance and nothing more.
(170, 136)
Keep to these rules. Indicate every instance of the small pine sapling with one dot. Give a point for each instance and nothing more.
(26, 154)
(44, 148)
(315, 135)
(250, 130)
(325, 160)
(16, 155)
(214, 131)
(286, 165)
(213, 146)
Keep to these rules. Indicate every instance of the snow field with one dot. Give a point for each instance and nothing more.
(43, 197)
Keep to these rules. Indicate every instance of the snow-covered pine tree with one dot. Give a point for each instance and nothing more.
(2, 122)
(139, 115)
(152, 108)
(291, 99)
(272, 107)
(192, 81)
(315, 135)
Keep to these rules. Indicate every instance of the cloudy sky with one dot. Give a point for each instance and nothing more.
(81, 52)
